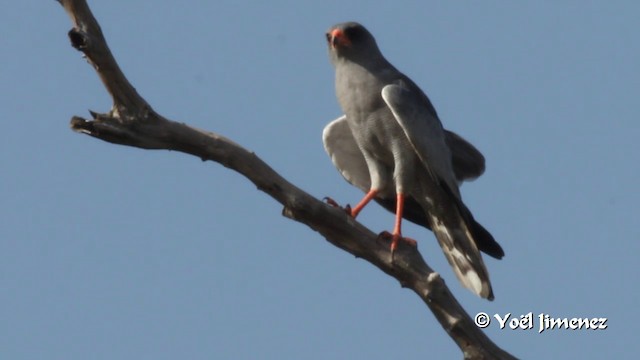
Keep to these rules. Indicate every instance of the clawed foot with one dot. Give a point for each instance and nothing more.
(333, 203)
(395, 239)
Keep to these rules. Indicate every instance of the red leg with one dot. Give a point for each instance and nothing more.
(397, 229)
(367, 198)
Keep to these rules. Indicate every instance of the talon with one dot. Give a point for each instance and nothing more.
(347, 208)
(330, 201)
(394, 242)
(333, 203)
(395, 239)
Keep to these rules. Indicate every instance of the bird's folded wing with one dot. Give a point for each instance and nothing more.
(424, 131)
(345, 154)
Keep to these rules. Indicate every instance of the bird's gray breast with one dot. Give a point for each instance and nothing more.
(374, 127)
(368, 116)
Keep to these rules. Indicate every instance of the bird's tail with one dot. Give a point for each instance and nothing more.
(456, 239)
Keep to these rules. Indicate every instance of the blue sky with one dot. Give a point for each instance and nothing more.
(109, 252)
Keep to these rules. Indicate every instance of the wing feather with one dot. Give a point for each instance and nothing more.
(345, 154)
(424, 131)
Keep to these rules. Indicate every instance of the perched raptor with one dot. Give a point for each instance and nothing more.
(391, 144)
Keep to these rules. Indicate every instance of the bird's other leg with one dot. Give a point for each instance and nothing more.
(396, 236)
(353, 212)
(367, 198)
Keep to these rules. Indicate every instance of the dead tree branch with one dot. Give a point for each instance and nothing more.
(133, 122)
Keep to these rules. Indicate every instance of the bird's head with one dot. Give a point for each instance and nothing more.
(351, 41)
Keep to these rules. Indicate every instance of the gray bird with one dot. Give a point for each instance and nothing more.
(391, 144)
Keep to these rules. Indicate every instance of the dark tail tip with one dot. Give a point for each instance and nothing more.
(485, 241)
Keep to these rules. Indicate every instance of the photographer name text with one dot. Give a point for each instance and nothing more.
(541, 322)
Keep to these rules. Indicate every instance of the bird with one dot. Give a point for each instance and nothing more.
(391, 144)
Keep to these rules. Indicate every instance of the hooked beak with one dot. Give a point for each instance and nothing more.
(336, 38)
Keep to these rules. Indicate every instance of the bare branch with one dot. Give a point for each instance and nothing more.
(133, 122)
